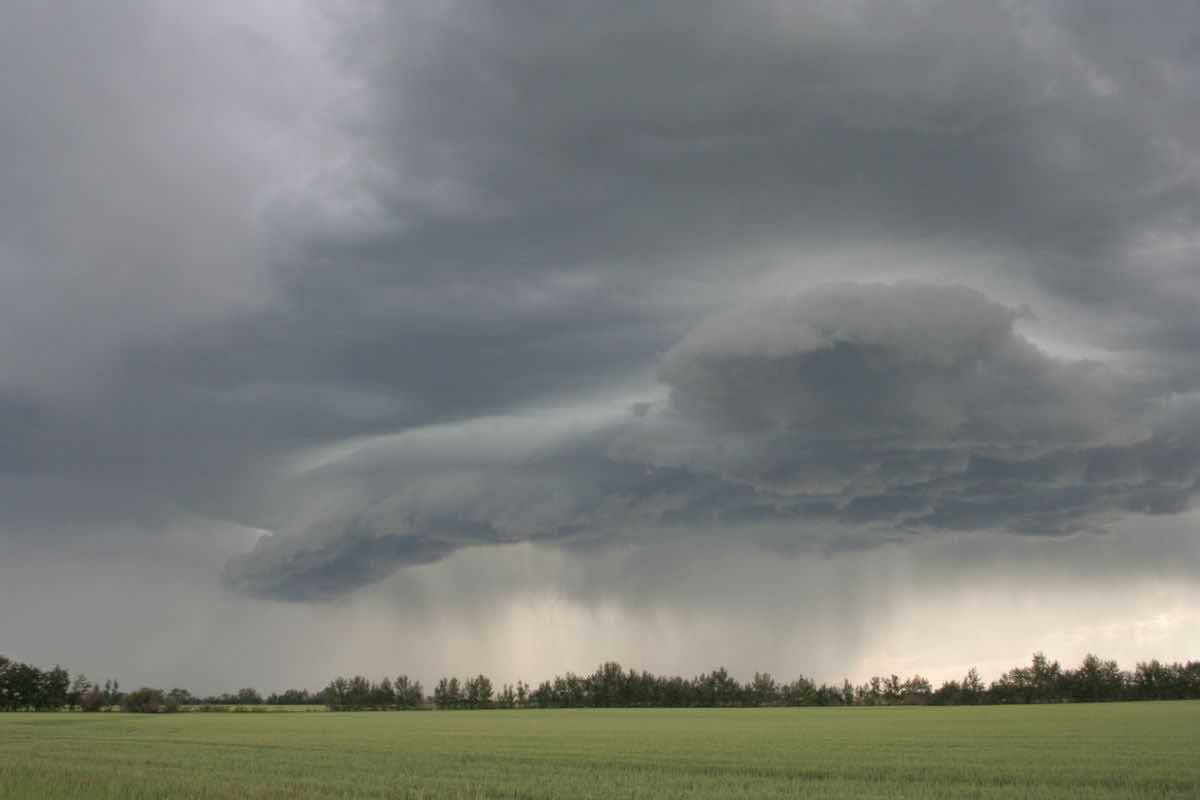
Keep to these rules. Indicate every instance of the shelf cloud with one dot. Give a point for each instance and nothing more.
(897, 408)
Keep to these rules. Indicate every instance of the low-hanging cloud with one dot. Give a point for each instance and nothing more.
(901, 407)
(914, 363)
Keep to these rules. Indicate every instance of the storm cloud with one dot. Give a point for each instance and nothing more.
(895, 408)
(378, 288)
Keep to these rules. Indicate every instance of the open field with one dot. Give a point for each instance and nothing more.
(1108, 750)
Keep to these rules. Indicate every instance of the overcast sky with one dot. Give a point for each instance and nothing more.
(818, 337)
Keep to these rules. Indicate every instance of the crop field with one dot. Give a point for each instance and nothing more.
(1096, 751)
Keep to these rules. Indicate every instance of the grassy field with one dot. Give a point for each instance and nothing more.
(1095, 751)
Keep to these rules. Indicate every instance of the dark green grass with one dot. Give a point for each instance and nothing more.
(1097, 751)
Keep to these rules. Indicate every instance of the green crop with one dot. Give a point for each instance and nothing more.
(1096, 751)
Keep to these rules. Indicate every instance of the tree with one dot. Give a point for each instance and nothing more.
(358, 692)
(917, 691)
(478, 692)
(78, 687)
(608, 685)
(571, 691)
(1046, 678)
(800, 692)
(1151, 681)
(409, 693)
(53, 689)
(7, 697)
(1096, 680)
(293, 697)
(948, 694)
(248, 697)
(1015, 686)
(972, 687)
(893, 689)
(182, 697)
(144, 701)
(337, 693)
(872, 691)
(26, 687)
(543, 696)
(763, 690)
(23, 686)
(447, 693)
(383, 695)
(718, 688)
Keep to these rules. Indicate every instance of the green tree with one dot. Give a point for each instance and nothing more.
(972, 687)
(447, 693)
(1046, 678)
(1152, 681)
(79, 687)
(607, 685)
(478, 692)
(1096, 680)
(144, 701)
(409, 693)
(359, 692)
(53, 688)
(916, 691)
(383, 695)
(248, 697)
(181, 697)
(337, 693)
(23, 686)
(800, 692)
(764, 691)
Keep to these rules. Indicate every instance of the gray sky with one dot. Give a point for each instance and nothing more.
(821, 337)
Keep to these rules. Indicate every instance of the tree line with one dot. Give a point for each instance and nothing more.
(1043, 681)
(27, 688)
(24, 687)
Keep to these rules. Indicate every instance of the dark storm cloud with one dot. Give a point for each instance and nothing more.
(216, 259)
(869, 362)
(899, 407)
(577, 135)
